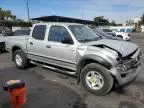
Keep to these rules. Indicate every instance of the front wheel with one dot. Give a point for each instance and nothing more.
(20, 59)
(96, 79)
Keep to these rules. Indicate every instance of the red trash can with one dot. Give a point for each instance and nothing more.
(17, 90)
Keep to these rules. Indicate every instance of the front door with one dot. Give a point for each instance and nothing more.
(61, 53)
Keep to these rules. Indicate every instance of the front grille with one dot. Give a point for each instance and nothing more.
(130, 63)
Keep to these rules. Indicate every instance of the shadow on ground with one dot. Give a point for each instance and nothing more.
(40, 93)
(127, 104)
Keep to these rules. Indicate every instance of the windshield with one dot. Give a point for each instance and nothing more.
(83, 33)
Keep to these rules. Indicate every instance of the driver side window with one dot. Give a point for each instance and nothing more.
(58, 34)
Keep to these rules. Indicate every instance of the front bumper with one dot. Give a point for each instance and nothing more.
(129, 77)
(126, 77)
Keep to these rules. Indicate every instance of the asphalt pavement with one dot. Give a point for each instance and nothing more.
(49, 89)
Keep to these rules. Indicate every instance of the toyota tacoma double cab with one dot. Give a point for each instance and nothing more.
(75, 49)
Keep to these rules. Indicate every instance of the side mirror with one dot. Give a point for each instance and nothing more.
(67, 40)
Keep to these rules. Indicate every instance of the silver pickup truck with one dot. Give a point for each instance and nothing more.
(75, 49)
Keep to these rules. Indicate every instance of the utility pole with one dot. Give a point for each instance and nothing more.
(27, 5)
(82, 14)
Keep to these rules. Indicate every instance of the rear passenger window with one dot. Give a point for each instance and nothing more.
(39, 32)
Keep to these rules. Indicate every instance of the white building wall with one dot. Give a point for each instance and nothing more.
(17, 28)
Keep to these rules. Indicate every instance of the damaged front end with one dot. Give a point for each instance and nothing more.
(128, 68)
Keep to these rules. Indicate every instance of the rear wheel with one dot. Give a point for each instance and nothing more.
(20, 59)
(96, 79)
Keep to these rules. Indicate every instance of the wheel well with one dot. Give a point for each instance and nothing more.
(84, 63)
(13, 50)
(120, 36)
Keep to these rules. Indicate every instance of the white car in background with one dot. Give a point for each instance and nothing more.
(123, 35)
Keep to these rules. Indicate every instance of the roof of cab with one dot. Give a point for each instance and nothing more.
(55, 18)
(57, 23)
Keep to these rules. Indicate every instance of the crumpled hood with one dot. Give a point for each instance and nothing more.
(123, 47)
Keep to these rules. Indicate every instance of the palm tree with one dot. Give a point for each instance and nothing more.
(7, 14)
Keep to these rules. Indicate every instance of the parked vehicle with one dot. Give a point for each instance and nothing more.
(75, 49)
(21, 32)
(7, 33)
(104, 35)
(122, 35)
(2, 41)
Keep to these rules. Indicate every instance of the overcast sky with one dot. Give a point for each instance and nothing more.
(118, 10)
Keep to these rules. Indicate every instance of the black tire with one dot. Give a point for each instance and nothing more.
(24, 58)
(107, 78)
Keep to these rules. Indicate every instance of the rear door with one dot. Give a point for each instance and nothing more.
(36, 44)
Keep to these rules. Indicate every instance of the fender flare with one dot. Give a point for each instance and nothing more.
(94, 58)
(19, 47)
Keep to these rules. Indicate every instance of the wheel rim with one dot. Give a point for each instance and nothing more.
(18, 60)
(94, 80)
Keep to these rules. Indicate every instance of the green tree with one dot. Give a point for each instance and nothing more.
(7, 14)
(19, 20)
(1, 14)
(13, 17)
(100, 20)
(113, 23)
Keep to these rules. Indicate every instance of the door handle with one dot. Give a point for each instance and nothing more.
(31, 43)
(48, 46)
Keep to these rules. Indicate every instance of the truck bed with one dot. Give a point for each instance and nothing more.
(16, 40)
